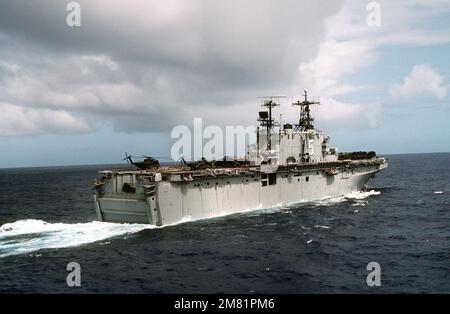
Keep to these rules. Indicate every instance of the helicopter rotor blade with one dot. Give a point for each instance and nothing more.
(127, 158)
(156, 157)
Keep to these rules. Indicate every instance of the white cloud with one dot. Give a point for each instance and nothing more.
(17, 120)
(145, 66)
(335, 113)
(422, 81)
(335, 61)
(351, 46)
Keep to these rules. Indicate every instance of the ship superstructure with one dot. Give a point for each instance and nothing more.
(288, 164)
(290, 144)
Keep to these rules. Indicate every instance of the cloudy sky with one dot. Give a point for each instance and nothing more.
(135, 69)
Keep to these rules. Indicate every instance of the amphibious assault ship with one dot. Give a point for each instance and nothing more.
(288, 164)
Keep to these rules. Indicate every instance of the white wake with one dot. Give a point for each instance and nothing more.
(362, 194)
(357, 196)
(26, 236)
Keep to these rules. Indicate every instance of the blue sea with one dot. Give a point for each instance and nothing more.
(401, 221)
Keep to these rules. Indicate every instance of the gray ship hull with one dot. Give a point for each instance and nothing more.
(169, 197)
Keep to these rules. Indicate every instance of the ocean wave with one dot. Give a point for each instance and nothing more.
(321, 227)
(360, 203)
(357, 196)
(362, 194)
(26, 236)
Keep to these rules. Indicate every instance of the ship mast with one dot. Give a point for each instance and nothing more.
(305, 121)
(265, 117)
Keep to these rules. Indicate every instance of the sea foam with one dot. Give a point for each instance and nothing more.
(26, 236)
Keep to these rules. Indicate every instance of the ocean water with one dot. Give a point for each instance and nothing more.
(401, 221)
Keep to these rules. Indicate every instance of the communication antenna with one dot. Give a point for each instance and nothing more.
(305, 121)
(265, 117)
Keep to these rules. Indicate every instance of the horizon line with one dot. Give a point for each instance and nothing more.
(116, 164)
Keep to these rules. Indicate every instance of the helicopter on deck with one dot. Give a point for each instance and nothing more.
(147, 163)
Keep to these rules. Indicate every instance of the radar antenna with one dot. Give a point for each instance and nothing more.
(265, 117)
(305, 121)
